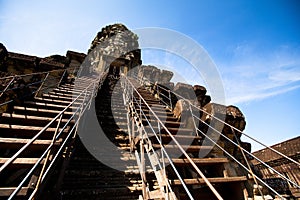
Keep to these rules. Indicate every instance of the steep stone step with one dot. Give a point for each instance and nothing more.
(21, 162)
(7, 191)
(149, 101)
(217, 180)
(105, 194)
(173, 124)
(20, 131)
(28, 120)
(33, 111)
(17, 129)
(49, 106)
(162, 117)
(78, 84)
(88, 181)
(79, 169)
(180, 131)
(62, 94)
(188, 148)
(156, 111)
(150, 104)
(60, 97)
(67, 91)
(178, 136)
(88, 178)
(200, 161)
(53, 101)
(76, 89)
(16, 143)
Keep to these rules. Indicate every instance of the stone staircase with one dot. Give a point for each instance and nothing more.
(20, 125)
(88, 178)
(219, 170)
(82, 176)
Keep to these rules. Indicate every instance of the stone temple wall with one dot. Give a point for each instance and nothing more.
(12, 63)
(290, 148)
(16, 63)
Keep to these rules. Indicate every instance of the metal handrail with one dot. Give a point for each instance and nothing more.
(37, 135)
(23, 86)
(237, 161)
(164, 151)
(177, 143)
(41, 82)
(55, 157)
(259, 160)
(233, 128)
(9, 161)
(74, 128)
(7, 86)
(268, 166)
(24, 97)
(162, 147)
(35, 73)
(62, 77)
(133, 108)
(89, 93)
(252, 138)
(225, 123)
(36, 165)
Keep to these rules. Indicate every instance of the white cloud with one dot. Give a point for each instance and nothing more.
(289, 73)
(255, 75)
(251, 75)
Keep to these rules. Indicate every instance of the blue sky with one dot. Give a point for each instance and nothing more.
(255, 45)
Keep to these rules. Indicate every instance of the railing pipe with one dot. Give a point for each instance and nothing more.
(265, 164)
(61, 78)
(179, 146)
(7, 86)
(9, 161)
(37, 91)
(233, 158)
(246, 135)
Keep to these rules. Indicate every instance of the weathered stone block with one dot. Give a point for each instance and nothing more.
(3, 57)
(166, 76)
(185, 90)
(199, 90)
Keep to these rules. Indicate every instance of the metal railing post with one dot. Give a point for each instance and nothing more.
(194, 122)
(211, 187)
(47, 157)
(248, 165)
(163, 159)
(143, 167)
(61, 78)
(7, 86)
(38, 90)
(238, 145)
(140, 107)
(46, 167)
(170, 98)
